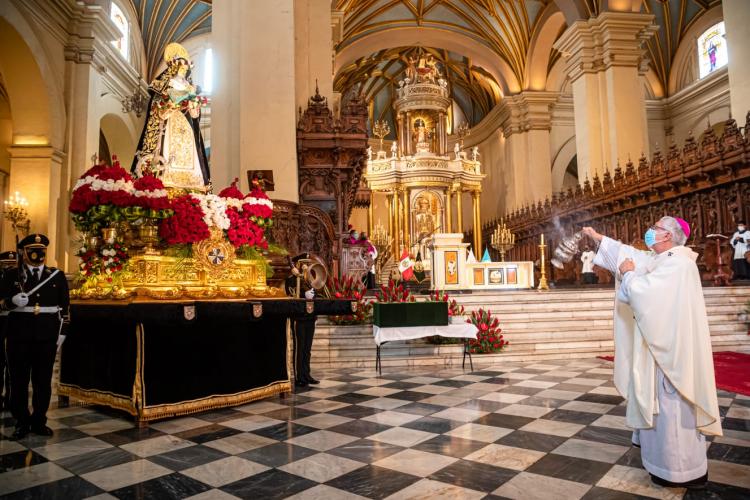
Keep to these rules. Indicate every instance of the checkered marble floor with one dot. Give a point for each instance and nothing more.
(513, 430)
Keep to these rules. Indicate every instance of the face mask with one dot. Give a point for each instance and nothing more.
(650, 238)
(36, 256)
(741, 229)
(355, 236)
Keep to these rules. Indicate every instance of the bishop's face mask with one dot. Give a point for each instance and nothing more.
(35, 256)
(650, 237)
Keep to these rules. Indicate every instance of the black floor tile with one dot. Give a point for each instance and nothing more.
(355, 411)
(473, 475)
(126, 436)
(222, 415)
(19, 460)
(410, 395)
(272, 483)
(86, 418)
(523, 391)
(728, 453)
(532, 441)
(186, 458)
(360, 428)
(284, 431)
(597, 493)
(432, 424)
(171, 486)
(365, 450)
(717, 491)
(59, 436)
(278, 454)
(352, 398)
(420, 408)
(618, 411)
(606, 435)
(570, 468)
(452, 383)
(89, 462)
(631, 458)
(373, 482)
(65, 489)
(573, 417)
(207, 433)
(600, 398)
(507, 421)
(401, 385)
(736, 424)
(291, 413)
(450, 445)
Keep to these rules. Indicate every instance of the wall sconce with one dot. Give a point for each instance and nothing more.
(15, 212)
(136, 103)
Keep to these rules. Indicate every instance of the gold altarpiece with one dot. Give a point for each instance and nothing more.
(423, 183)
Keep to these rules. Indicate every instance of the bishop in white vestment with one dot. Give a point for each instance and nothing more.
(663, 358)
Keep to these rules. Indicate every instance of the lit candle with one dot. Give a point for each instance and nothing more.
(542, 243)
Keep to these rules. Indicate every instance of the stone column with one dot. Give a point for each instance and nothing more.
(448, 211)
(737, 24)
(253, 107)
(407, 149)
(391, 223)
(527, 133)
(313, 50)
(400, 133)
(605, 63)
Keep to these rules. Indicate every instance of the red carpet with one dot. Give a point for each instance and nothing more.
(732, 371)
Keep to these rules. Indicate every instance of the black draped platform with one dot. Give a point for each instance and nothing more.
(161, 359)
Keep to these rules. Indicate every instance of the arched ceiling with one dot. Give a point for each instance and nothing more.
(504, 26)
(674, 18)
(166, 21)
(474, 91)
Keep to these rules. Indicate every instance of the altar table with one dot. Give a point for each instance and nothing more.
(157, 359)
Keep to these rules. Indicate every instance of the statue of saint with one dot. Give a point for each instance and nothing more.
(424, 220)
(171, 145)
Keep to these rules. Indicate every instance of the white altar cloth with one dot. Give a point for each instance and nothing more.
(390, 334)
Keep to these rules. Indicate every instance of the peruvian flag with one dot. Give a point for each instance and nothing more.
(406, 266)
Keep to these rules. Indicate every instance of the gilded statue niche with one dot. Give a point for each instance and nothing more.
(426, 215)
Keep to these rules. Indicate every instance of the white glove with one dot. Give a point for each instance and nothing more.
(20, 299)
(310, 294)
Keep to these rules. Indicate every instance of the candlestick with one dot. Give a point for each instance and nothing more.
(543, 278)
(502, 239)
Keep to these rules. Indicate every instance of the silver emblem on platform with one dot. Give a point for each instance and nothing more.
(189, 312)
(354, 306)
(309, 307)
(257, 310)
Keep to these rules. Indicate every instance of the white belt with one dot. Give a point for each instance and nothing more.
(36, 309)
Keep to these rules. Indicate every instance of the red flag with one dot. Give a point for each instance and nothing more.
(406, 266)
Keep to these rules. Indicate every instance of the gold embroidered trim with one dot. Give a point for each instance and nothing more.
(98, 397)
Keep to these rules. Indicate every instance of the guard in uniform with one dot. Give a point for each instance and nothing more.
(37, 300)
(303, 328)
(8, 260)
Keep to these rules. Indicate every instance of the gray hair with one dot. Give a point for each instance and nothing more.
(671, 225)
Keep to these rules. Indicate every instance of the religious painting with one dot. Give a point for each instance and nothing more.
(451, 267)
(712, 50)
(497, 276)
(511, 275)
(479, 276)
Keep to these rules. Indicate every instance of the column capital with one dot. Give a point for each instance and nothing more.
(610, 39)
(529, 110)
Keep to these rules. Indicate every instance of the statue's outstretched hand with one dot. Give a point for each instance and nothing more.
(591, 233)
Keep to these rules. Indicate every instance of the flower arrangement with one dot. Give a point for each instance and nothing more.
(149, 193)
(113, 257)
(489, 335)
(187, 225)
(394, 293)
(349, 288)
(99, 196)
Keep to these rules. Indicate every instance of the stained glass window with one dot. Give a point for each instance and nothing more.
(118, 17)
(712, 49)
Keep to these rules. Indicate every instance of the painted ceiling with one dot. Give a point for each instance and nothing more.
(166, 21)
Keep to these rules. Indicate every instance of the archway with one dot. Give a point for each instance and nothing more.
(119, 139)
(36, 117)
(560, 164)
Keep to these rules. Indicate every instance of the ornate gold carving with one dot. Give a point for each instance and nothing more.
(214, 255)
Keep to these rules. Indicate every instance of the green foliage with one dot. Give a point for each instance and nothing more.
(351, 289)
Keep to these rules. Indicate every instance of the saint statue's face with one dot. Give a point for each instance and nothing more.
(423, 205)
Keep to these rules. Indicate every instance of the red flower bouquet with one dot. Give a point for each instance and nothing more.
(394, 293)
(149, 193)
(186, 224)
(349, 288)
(489, 335)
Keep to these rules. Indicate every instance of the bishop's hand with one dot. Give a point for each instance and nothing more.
(591, 233)
(626, 266)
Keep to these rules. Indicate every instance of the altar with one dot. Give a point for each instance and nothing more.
(158, 359)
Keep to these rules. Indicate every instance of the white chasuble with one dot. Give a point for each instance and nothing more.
(663, 358)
